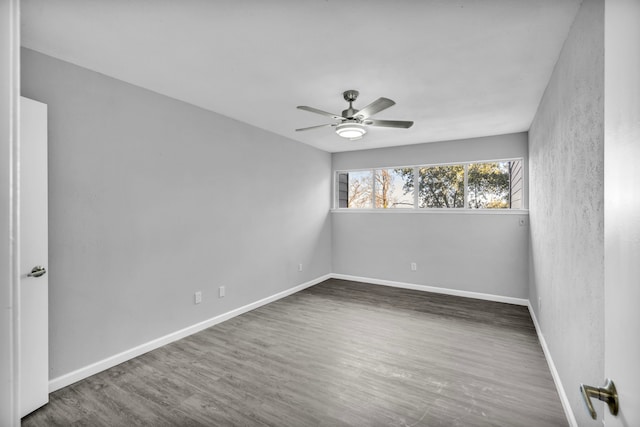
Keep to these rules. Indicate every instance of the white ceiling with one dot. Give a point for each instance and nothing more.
(458, 68)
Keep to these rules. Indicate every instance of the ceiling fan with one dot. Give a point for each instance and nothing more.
(352, 124)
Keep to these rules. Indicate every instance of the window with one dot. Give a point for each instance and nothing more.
(488, 185)
(355, 189)
(394, 188)
(515, 184)
(478, 185)
(441, 187)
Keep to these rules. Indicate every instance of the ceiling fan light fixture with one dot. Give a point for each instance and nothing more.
(351, 130)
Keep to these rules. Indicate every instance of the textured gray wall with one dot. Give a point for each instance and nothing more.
(477, 252)
(566, 207)
(152, 199)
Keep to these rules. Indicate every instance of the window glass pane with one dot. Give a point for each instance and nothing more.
(441, 187)
(394, 188)
(343, 190)
(515, 184)
(359, 186)
(489, 185)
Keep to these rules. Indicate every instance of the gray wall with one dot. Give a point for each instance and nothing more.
(566, 207)
(472, 251)
(462, 150)
(152, 199)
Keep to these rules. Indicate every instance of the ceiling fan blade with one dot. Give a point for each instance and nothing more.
(389, 123)
(375, 107)
(315, 127)
(323, 113)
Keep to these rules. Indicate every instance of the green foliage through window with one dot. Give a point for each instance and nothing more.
(488, 185)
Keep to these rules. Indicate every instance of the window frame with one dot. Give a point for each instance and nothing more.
(415, 209)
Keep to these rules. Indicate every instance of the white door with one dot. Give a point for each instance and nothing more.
(622, 208)
(34, 252)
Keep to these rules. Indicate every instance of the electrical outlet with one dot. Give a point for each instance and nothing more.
(197, 297)
(299, 267)
(414, 266)
(221, 292)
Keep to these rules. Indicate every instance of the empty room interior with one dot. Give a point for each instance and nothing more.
(322, 213)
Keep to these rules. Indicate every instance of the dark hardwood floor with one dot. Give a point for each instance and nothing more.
(337, 354)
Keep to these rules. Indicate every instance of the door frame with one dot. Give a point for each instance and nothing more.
(621, 204)
(9, 193)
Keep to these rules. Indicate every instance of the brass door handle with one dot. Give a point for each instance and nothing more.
(37, 271)
(607, 393)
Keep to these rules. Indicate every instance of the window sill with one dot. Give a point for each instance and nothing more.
(435, 211)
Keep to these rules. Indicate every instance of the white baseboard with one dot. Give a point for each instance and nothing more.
(435, 289)
(94, 368)
(571, 418)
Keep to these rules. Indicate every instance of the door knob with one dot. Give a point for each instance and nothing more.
(37, 271)
(607, 393)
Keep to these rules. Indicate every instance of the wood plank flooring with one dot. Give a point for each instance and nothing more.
(337, 354)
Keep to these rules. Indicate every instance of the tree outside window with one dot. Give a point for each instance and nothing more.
(488, 185)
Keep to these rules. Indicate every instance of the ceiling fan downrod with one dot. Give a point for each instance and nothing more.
(350, 96)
